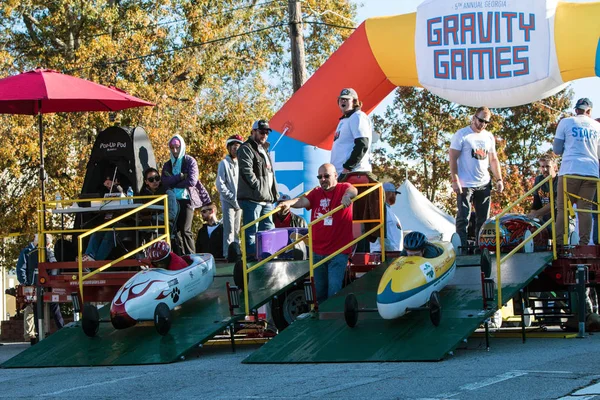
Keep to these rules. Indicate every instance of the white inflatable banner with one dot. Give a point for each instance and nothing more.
(497, 52)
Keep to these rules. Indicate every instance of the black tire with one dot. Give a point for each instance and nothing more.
(351, 310)
(435, 308)
(162, 319)
(90, 320)
(486, 263)
(238, 274)
(287, 307)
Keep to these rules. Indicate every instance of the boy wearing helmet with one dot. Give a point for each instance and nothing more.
(416, 244)
(161, 256)
(227, 182)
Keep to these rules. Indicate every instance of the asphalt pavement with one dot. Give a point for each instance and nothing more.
(538, 369)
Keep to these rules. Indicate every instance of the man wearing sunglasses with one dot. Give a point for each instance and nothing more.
(333, 232)
(472, 153)
(210, 236)
(257, 188)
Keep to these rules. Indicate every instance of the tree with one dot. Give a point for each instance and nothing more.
(418, 126)
(210, 67)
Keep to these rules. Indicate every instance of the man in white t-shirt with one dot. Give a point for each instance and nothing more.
(353, 136)
(393, 228)
(472, 153)
(577, 139)
(351, 157)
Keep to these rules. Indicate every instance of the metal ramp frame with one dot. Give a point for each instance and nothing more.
(325, 337)
(196, 322)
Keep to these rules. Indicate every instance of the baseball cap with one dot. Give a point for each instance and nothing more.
(389, 187)
(348, 93)
(583, 104)
(261, 124)
(234, 139)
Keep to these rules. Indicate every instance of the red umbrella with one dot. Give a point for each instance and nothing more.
(45, 91)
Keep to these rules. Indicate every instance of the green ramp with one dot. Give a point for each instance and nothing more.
(196, 322)
(325, 337)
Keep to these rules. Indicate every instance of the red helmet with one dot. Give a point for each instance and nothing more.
(234, 139)
(159, 251)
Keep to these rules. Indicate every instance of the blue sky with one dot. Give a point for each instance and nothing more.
(589, 87)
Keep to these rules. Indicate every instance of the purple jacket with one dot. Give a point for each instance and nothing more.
(198, 194)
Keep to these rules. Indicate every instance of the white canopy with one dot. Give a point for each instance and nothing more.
(417, 213)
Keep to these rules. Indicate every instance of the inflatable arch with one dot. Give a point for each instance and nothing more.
(498, 53)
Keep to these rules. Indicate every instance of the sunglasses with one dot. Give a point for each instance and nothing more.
(324, 176)
(483, 121)
(205, 211)
(154, 178)
(263, 131)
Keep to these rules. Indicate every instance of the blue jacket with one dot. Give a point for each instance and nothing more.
(22, 263)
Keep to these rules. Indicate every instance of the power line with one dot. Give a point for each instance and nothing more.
(190, 46)
(159, 24)
(327, 24)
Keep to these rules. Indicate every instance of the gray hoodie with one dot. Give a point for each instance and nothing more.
(227, 181)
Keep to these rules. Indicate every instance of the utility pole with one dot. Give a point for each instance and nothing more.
(297, 44)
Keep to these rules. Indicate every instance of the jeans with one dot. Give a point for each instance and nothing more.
(595, 220)
(250, 212)
(480, 196)
(185, 238)
(329, 277)
(231, 225)
(584, 189)
(100, 245)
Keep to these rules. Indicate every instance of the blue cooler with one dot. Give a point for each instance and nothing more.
(270, 242)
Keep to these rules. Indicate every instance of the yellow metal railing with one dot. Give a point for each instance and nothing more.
(568, 206)
(105, 227)
(247, 270)
(499, 258)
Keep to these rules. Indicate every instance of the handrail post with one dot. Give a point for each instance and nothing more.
(552, 217)
(244, 267)
(382, 222)
(565, 212)
(498, 264)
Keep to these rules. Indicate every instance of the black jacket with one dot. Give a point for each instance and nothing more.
(212, 244)
(253, 177)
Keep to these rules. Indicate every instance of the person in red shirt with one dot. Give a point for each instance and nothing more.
(332, 233)
(161, 256)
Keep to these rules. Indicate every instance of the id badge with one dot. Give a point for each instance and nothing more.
(328, 221)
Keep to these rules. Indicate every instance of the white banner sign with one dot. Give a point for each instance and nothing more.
(479, 52)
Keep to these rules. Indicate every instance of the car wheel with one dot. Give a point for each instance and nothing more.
(286, 308)
(162, 319)
(90, 320)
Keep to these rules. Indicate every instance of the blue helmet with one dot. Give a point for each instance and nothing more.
(415, 241)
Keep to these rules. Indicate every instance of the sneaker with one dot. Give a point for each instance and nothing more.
(84, 258)
(87, 257)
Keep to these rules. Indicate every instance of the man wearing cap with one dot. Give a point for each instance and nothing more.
(351, 155)
(393, 229)
(577, 139)
(353, 137)
(284, 218)
(227, 183)
(257, 188)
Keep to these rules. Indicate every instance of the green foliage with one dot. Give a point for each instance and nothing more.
(211, 68)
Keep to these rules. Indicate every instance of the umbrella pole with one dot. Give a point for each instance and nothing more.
(42, 241)
(42, 170)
